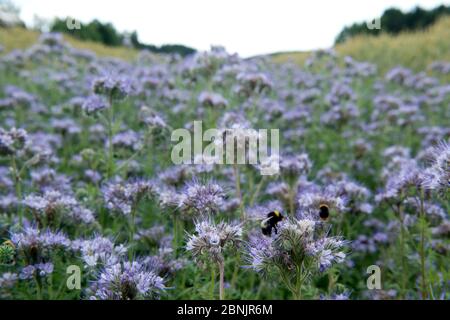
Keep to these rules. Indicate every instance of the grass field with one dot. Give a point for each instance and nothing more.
(412, 50)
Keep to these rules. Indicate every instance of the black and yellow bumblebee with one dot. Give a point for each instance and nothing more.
(324, 212)
(270, 222)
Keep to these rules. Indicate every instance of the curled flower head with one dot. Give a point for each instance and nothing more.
(154, 236)
(12, 141)
(49, 202)
(210, 240)
(115, 87)
(434, 211)
(37, 244)
(438, 175)
(300, 246)
(27, 272)
(18, 97)
(210, 99)
(94, 104)
(127, 281)
(164, 263)
(8, 279)
(328, 251)
(356, 196)
(40, 269)
(234, 120)
(261, 253)
(128, 139)
(99, 251)
(176, 176)
(253, 83)
(53, 205)
(203, 199)
(52, 39)
(151, 118)
(402, 174)
(122, 197)
(292, 167)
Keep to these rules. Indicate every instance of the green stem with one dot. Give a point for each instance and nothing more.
(38, 288)
(402, 251)
(178, 230)
(257, 191)
(422, 246)
(125, 163)
(222, 283)
(237, 179)
(61, 287)
(299, 284)
(132, 224)
(287, 282)
(236, 269)
(110, 136)
(18, 187)
(331, 282)
(260, 289)
(291, 201)
(213, 282)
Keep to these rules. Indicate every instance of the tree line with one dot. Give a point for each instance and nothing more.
(394, 21)
(106, 34)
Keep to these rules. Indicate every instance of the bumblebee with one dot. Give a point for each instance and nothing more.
(324, 212)
(270, 222)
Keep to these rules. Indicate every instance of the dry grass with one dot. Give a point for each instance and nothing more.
(19, 38)
(295, 57)
(413, 50)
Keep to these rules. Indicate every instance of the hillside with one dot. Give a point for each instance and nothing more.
(413, 50)
(20, 38)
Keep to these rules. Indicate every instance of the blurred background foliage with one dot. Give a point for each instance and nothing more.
(106, 34)
(394, 21)
(413, 39)
(415, 50)
(94, 32)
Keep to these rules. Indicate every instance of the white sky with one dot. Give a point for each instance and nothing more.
(248, 27)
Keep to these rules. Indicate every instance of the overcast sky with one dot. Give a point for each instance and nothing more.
(248, 27)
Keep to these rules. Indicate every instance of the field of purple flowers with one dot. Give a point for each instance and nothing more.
(92, 206)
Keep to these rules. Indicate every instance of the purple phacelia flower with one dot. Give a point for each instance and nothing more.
(99, 251)
(202, 199)
(123, 197)
(211, 240)
(127, 281)
(115, 87)
(94, 104)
